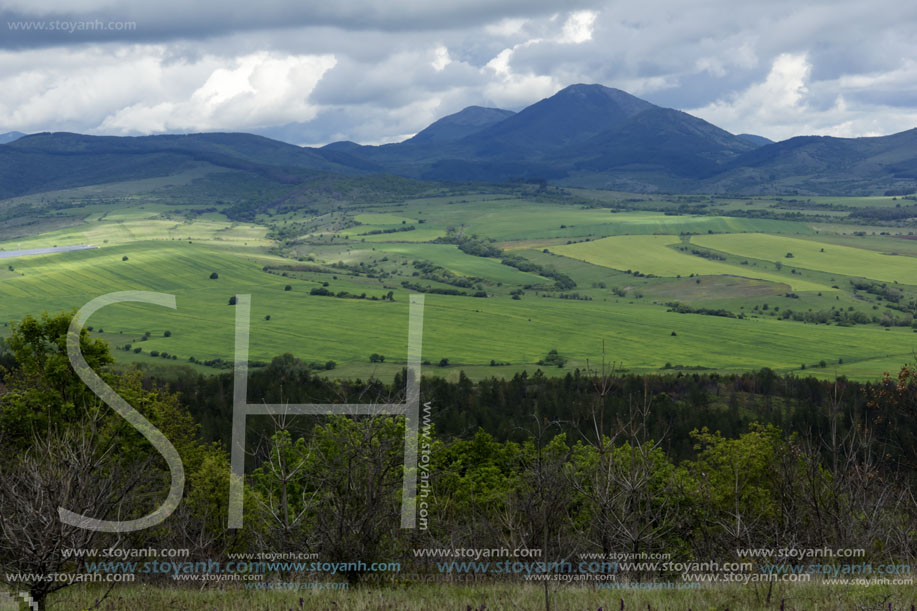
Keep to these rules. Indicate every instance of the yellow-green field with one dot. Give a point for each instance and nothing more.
(810, 254)
(651, 254)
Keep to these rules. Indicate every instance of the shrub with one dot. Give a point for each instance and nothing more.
(214, 276)
(124, 258)
(167, 334)
(232, 300)
(288, 288)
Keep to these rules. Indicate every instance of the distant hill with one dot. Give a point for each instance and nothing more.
(822, 164)
(51, 161)
(10, 137)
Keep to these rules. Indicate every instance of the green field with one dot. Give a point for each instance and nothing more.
(520, 320)
(451, 258)
(653, 255)
(465, 330)
(516, 219)
(810, 254)
(141, 224)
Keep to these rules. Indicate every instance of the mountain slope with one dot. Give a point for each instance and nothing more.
(661, 139)
(48, 161)
(755, 139)
(822, 164)
(454, 127)
(10, 137)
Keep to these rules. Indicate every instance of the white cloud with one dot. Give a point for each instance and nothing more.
(441, 58)
(256, 91)
(778, 102)
(789, 103)
(506, 27)
(578, 27)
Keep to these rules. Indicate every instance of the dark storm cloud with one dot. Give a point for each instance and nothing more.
(61, 23)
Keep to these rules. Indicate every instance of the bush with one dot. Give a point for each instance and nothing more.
(124, 258)
(444, 362)
(232, 300)
(376, 358)
(167, 334)
(138, 350)
(288, 288)
(154, 352)
(553, 358)
(214, 276)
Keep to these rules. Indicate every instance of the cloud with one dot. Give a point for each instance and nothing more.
(141, 90)
(375, 71)
(778, 102)
(175, 19)
(441, 58)
(578, 27)
(787, 103)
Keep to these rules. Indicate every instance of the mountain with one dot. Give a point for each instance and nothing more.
(756, 140)
(10, 137)
(460, 125)
(571, 116)
(596, 136)
(583, 133)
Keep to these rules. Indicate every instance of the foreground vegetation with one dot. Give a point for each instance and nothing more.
(623, 469)
(799, 597)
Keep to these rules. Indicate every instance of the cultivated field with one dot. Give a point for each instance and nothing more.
(152, 246)
(811, 254)
(651, 254)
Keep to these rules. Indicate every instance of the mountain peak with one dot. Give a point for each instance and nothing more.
(571, 115)
(459, 125)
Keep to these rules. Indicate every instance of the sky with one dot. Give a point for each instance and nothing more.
(372, 72)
